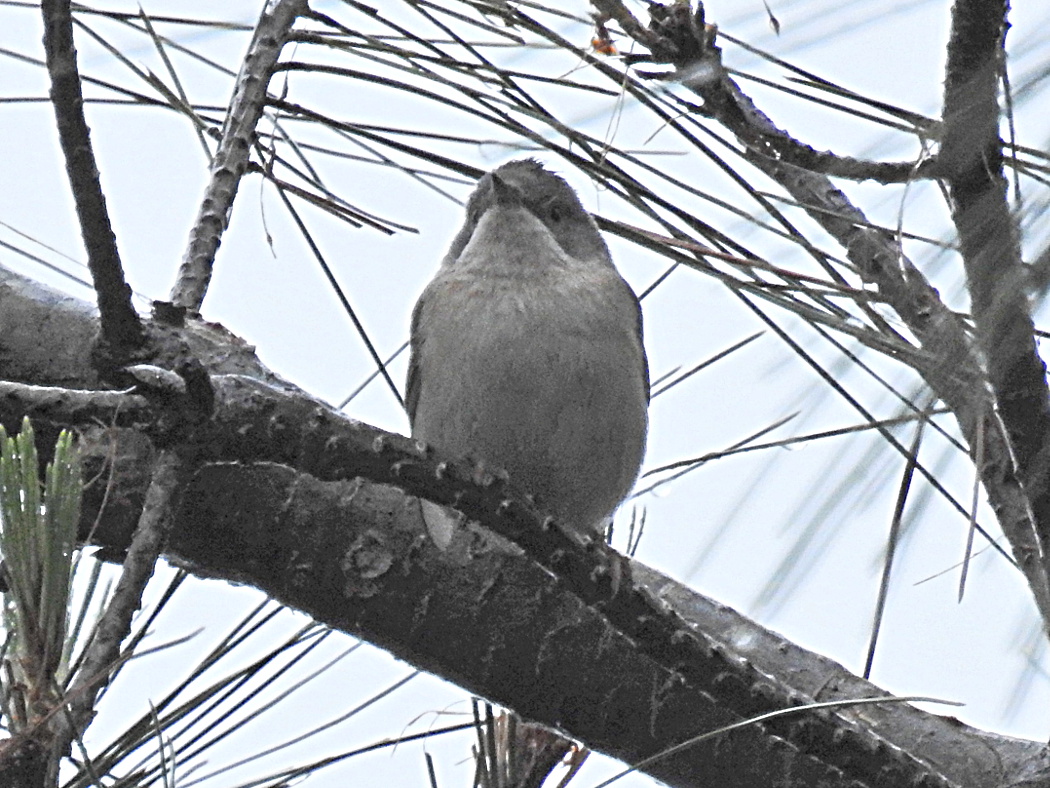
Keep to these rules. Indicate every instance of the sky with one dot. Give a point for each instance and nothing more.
(794, 538)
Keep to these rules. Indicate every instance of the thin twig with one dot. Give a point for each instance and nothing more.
(893, 541)
(103, 655)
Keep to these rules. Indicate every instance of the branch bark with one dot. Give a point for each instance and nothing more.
(121, 328)
(235, 145)
(972, 159)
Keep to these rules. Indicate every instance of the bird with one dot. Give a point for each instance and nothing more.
(527, 353)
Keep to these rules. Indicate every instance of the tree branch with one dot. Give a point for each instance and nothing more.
(121, 328)
(955, 371)
(488, 618)
(782, 147)
(235, 145)
(676, 35)
(972, 159)
(280, 500)
(103, 653)
(76, 406)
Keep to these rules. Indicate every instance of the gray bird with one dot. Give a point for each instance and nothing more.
(527, 351)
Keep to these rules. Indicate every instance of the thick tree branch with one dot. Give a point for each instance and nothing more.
(485, 616)
(972, 159)
(121, 328)
(609, 652)
(235, 145)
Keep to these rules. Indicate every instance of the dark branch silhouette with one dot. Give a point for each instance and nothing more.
(121, 329)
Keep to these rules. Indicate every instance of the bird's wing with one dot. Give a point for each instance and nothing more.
(416, 347)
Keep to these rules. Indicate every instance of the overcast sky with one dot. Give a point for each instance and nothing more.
(815, 517)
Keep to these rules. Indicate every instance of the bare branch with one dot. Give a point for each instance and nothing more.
(231, 159)
(972, 158)
(121, 328)
(956, 374)
(103, 654)
(785, 148)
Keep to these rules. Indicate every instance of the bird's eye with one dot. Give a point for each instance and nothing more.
(555, 213)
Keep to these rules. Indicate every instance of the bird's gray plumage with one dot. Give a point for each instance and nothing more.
(527, 349)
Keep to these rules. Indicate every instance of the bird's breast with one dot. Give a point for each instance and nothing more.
(541, 377)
